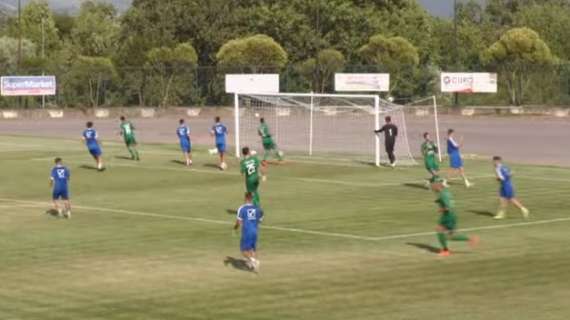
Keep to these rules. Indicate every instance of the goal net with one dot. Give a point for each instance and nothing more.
(321, 127)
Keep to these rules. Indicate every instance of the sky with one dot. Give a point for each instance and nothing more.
(441, 8)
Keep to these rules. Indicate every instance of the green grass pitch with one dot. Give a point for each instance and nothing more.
(148, 241)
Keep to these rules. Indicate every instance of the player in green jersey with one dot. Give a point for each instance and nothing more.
(128, 134)
(267, 141)
(429, 152)
(447, 223)
(252, 168)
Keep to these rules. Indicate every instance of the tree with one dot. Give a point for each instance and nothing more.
(252, 53)
(395, 54)
(38, 26)
(516, 51)
(9, 53)
(84, 83)
(320, 70)
(551, 21)
(96, 29)
(169, 65)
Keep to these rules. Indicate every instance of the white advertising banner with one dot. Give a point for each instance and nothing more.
(28, 86)
(468, 82)
(252, 83)
(362, 82)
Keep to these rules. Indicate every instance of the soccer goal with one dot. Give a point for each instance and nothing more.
(321, 127)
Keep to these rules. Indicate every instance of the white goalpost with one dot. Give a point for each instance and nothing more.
(321, 127)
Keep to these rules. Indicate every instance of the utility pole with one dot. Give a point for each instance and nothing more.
(456, 49)
(19, 64)
(19, 33)
(43, 58)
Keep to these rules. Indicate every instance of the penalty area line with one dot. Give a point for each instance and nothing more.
(297, 230)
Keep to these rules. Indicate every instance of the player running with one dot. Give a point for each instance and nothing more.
(59, 181)
(249, 216)
(507, 191)
(455, 159)
(251, 168)
(429, 152)
(390, 134)
(183, 133)
(220, 131)
(91, 139)
(267, 141)
(447, 223)
(128, 134)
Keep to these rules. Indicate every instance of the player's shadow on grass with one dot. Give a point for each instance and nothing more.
(368, 163)
(182, 163)
(423, 246)
(88, 167)
(238, 264)
(52, 213)
(231, 211)
(415, 186)
(211, 165)
(123, 158)
(482, 213)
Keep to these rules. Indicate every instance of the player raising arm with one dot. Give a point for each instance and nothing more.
(220, 132)
(249, 216)
(507, 191)
(183, 133)
(251, 168)
(91, 139)
(128, 134)
(59, 181)
(390, 134)
(455, 159)
(267, 141)
(447, 223)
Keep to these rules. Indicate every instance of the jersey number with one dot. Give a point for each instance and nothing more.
(251, 214)
(61, 173)
(251, 168)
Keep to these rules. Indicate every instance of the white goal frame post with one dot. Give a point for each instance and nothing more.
(266, 86)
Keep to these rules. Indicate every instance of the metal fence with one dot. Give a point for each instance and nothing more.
(204, 86)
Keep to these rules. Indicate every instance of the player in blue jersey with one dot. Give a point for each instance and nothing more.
(59, 181)
(220, 132)
(455, 159)
(507, 190)
(249, 217)
(183, 133)
(91, 139)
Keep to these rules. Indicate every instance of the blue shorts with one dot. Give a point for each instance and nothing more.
(507, 191)
(62, 194)
(186, 147)
(95, 151)
(248, 242)
(455, 160)
(221, 147)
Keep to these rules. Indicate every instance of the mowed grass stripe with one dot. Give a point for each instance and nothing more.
(105, 265)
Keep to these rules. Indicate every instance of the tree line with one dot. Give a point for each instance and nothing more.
(176, 52)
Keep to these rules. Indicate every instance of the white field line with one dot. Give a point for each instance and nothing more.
(313, 180)
(297, 230)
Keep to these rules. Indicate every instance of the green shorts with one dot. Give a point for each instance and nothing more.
(251, 185)
(268, 144)
(130, 141)
(431, 165)
(448, 220)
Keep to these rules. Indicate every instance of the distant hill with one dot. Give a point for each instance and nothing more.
(67, 6)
